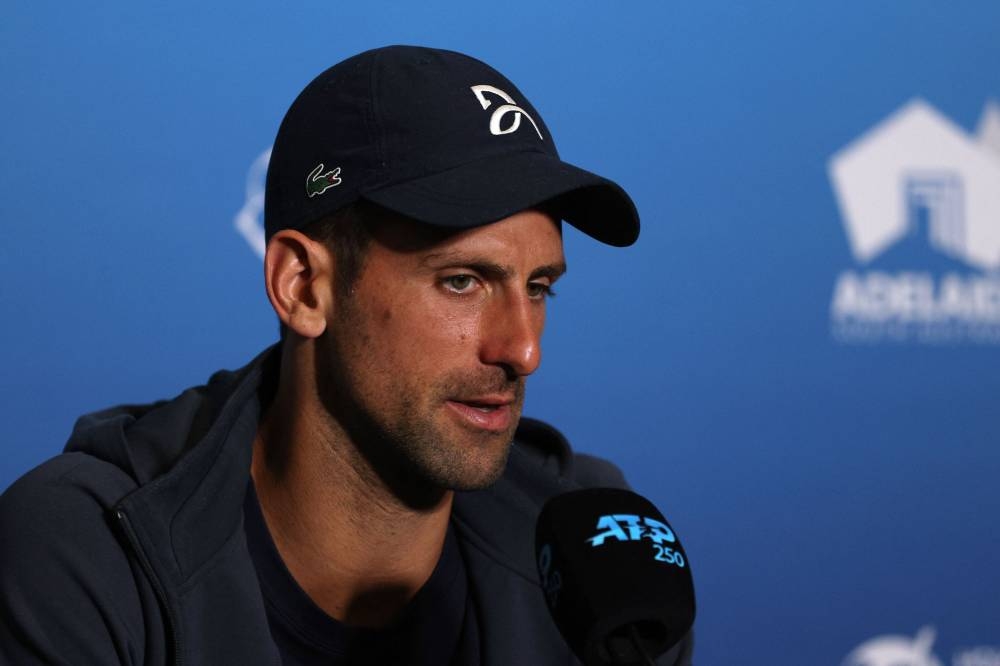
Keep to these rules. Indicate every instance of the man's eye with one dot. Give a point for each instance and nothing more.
(540, 290)
(460, 283)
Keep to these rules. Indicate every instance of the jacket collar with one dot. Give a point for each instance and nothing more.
(186, 514)
(191, 459)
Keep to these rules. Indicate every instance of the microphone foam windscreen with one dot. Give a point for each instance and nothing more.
(612, 567)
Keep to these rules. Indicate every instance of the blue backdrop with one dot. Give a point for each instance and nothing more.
(829, 457)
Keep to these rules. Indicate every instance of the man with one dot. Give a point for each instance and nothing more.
(352, 495)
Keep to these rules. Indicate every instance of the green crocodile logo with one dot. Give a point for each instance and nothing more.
(318, 182)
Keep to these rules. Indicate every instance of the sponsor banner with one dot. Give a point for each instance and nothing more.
(920, 201)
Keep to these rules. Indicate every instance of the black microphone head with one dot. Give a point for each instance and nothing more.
(613, 570)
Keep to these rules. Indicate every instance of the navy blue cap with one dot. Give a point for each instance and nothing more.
(436, 136)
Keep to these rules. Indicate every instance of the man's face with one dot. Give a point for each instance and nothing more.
(425, 359)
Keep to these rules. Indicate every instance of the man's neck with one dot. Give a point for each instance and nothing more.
(359, 552)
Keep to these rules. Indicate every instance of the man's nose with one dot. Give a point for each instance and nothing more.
(512, 335)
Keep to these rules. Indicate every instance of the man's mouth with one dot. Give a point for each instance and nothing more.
(481, 406)
(487, 413)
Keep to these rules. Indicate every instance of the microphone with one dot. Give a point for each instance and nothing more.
(615, 576)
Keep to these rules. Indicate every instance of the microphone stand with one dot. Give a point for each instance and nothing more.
(634, 635)
(624, 647)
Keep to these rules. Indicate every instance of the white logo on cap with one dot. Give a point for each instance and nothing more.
(503, 110)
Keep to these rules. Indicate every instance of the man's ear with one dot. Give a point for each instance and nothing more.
(298, 273)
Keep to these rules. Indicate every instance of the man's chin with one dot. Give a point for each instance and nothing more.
(472, 465)
(478, 478)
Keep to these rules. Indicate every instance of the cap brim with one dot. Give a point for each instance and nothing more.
(489, 190)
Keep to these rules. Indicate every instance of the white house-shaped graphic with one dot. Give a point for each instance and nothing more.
(918, 172)
(896, 651)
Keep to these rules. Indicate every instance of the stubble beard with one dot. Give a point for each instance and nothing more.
(403, 432)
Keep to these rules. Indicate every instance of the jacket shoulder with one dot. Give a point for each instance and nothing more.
(67, 478)
(68, 591)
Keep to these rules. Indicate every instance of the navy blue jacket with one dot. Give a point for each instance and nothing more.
(129, 547)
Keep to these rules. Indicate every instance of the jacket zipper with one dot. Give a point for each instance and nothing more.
(126, 526)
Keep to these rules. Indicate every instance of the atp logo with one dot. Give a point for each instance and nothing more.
(896, 651)
(629, 527)
(496, 119)
(920, 200)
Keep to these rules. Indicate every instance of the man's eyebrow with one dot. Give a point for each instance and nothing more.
(552, 271)
(488, 267)
(477, 263)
